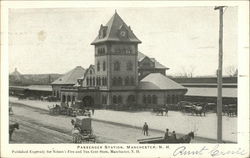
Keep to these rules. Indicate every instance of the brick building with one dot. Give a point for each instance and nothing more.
(121, 75)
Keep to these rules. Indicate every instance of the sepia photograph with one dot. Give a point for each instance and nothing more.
(125, 75)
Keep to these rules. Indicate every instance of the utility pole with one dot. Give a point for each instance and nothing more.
(219, 77)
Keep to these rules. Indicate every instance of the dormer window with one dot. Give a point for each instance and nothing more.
(103, 31)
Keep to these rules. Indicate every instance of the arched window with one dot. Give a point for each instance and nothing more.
(103, 82)
(98, 66)
(144, 99)
(63, 98)
(129, 66)
(93, 81)
(116, 66)
(90, 81)
(87, 81)
(154, 99)
(119, 99)
(73, 99)
(104, 66)
(114, 99)
(127, 81)
(132, 82)
(149, 99)
(68, 99)
(114, 82)
(119, 81)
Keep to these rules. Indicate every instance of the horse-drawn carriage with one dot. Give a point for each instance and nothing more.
(161, 140)
(82, 131)
(230, 109)
(160, 110)
(193, 108)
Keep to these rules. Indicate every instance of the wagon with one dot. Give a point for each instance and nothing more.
(82, 132)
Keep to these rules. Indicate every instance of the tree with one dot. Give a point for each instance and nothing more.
(188, 71)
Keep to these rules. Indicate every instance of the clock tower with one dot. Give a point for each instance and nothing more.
(116, 49)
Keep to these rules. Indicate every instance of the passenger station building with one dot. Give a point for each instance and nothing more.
(121, 75)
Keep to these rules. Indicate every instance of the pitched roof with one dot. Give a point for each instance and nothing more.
(158, 65)
(71, 76)
(113, 26)
(157, 81)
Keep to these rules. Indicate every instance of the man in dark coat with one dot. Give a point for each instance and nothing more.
(145, 129)
(166, 136)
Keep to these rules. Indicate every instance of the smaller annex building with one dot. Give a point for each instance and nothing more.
(69, 79)
(121, 76)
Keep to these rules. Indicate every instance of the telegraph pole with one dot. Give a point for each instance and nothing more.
(219, 77)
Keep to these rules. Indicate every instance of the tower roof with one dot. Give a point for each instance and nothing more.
(71, 76)
(112, 28)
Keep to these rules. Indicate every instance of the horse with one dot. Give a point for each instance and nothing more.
(12, 128)
(199, 110)
(184, 139)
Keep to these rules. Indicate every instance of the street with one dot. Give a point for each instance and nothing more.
(37, 126)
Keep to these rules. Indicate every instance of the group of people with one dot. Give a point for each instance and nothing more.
(166, 136)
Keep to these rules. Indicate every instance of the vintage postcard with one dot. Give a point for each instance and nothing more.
(124, 79)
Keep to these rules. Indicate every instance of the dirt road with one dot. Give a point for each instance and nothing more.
(37, 126)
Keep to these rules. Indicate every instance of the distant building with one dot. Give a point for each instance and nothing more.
(121, 75)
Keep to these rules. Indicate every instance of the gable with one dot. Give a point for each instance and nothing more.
(146, 63)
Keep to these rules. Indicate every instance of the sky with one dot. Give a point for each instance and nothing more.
(184, 39)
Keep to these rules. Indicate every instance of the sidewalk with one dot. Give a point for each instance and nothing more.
(175, 121)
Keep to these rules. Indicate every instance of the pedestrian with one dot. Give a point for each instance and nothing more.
(174, 135)
(166, 134)
(145, 129)
(166, 110)
(93, 111)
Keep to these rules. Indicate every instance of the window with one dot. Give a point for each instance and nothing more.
(114, 99)
(104, 66)
(87, 81)
(129, 66)
(119, 81)
(103, 82)
(103, 33)
(119, 100)
(90, 81)
(93, 81)
(116, 66)
(144, 99)
(149, 99)
(132, 82)
(98, 66)
(127, 81)
(154, 99)
(169, 99)
(114, 82)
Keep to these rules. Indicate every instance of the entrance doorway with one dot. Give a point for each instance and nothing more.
(87, 101)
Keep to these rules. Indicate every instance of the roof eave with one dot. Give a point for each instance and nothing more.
(108, 40)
